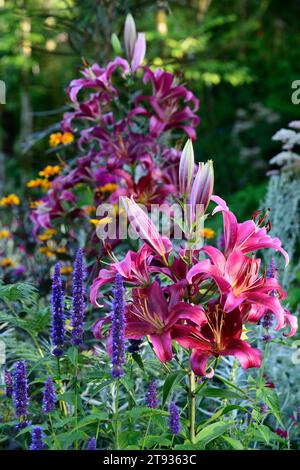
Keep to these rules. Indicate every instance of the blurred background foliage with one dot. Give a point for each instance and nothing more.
(238, 56)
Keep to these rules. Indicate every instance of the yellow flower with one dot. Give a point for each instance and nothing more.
(50, 170)
(89, 209)
(39, 183)
(10, 200)
(108, 188)
(45, 250)
(66, 270)
(4, 233)
(55, 139)
(6, 262)
(67, 138)
(61, 250)
(208, 233)
(105, 220)
(35, 204)
(47, 235)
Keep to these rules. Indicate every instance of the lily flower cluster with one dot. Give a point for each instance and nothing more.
(201, 298)
(123, 116)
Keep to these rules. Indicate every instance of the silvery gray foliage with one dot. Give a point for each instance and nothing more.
(283, 197)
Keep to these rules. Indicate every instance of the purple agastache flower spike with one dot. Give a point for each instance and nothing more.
(271, 269)
(78, 304)
(263, 408)
(151, 397)
(92, 444)
(174, 422)
(49, 396)
(8, 380)
(58, 318)
(20, 389)
(267, 338)
(118, 328)
(37, 439)
(267, 320)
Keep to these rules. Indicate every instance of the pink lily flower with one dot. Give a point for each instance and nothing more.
(256, 312)
(134, 268)
(219, 336)
(239, 281)
(154, 311)
(245, 236)
(145, 228)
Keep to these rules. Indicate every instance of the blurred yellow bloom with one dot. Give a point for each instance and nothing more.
(61, 250)
(4, 233)
(50, 170)
(45, 250)
(66, 270)
(209, 233)
(39, 183)
(10, 200)
(108, 188)
(67, 138)
(6, 262)
(89, 209)
(105, 220)
(35, 204)
(55, 139)
(47, 235)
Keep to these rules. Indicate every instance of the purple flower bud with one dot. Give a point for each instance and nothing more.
(118, 328)
(267, 320)
(203, 186)
(186, 168)
(20, 389)
(263, 408)
(129, 36)
(58, 319)
(49, 396)
(8, 380)
(151, 397)
(174, 422)
(37, 439)
(78, 304)
(267, 338)
(92, 444)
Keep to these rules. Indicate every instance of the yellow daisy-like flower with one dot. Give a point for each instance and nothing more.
(55, 139)
(6, 262)
(39, 183)
(209, 233)
(10, 200)
(47, 235)
(50, 170)
(66, 270)
(4, 233)
(67, 138)
(105, 220)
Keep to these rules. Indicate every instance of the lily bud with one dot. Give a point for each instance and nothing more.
(203, 185)
(186, 168)
(138, 52)
(129, 36)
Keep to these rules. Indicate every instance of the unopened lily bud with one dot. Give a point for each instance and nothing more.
(186, 168)
(129, 36)
(203, 185)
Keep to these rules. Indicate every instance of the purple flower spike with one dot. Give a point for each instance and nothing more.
(92, 444)
(78, 304)
(267, 320)
(37, 439)
(58, 319)
(49, 396)
(118, 328)
(8, 380)
(20, 389)
(174, 422)
(271, 269)
(151, 397)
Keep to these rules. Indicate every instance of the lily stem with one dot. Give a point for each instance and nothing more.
(192, 398)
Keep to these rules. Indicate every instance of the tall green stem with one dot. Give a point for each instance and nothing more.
(117, 415)
(192, 398)
(76, 393)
